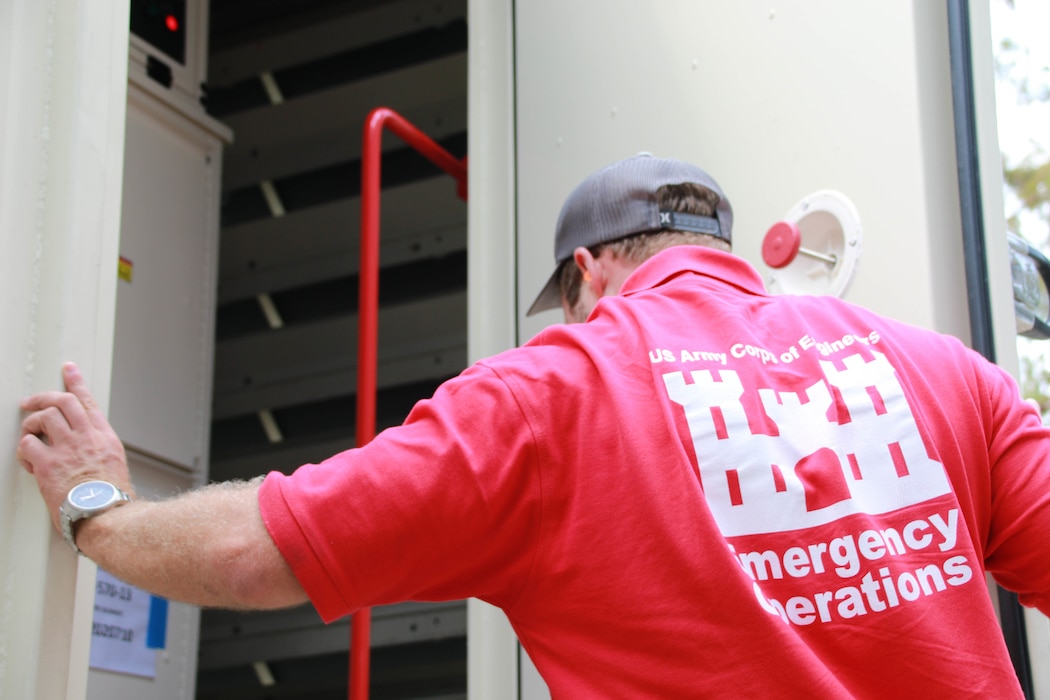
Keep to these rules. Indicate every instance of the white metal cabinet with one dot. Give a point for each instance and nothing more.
(162, 358)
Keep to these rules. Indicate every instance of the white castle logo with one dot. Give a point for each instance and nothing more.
(819, 467)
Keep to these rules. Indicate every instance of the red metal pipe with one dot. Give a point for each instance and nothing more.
(368, 315)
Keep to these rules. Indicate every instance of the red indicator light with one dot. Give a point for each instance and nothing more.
(172, 23)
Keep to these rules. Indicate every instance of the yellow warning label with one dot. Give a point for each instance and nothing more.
(124, 269)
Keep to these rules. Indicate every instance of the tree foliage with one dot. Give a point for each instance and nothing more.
(1029, 181)
(1034, 374)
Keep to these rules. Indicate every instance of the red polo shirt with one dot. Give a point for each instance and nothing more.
(704, 490)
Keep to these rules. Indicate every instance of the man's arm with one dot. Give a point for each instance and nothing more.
(208, 547)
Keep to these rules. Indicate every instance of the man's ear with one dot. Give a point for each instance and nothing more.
(592, 270)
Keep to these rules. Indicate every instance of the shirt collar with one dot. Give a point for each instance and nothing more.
(697, 260)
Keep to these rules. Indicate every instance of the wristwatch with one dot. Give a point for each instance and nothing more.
(87, 500)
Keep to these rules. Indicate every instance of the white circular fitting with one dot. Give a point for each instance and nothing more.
(815, 248)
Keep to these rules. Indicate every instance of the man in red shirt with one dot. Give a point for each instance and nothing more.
(698, 489)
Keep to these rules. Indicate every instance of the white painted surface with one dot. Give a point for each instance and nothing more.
(775, 100)
(63, 68)
(492, 648)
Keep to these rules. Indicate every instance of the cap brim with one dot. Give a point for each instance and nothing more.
(549, 298)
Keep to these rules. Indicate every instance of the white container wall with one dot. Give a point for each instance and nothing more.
(63, 68)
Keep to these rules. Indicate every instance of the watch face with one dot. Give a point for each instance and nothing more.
(92, 494)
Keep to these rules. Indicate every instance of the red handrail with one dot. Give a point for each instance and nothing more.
(368, 314)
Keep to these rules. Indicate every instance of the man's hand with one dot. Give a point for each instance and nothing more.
(220, 555)
(66, 440)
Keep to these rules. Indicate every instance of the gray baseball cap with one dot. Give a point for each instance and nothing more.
(620, 200)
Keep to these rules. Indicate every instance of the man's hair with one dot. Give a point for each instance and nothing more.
(687, 198)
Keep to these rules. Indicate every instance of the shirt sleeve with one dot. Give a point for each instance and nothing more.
(1018, 546)
(443, 507)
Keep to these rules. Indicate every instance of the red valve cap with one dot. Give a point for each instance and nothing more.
(781, 244)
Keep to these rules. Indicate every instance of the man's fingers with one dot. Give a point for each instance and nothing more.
(49, 422)
(29, 450)
(38, 402)
(76, 385)
(66, 405)
(76, 404)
